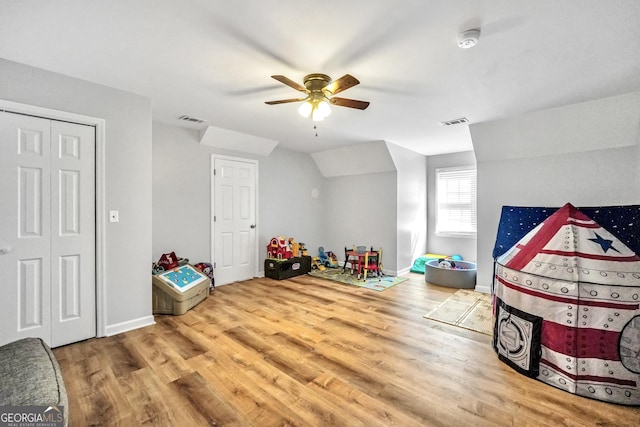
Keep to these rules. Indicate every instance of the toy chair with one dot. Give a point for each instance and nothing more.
(372, 263)
(379, 263)
(349, 259)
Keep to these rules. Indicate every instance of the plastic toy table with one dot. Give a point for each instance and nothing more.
(361, 259)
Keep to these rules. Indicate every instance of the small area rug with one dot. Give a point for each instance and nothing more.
(467, 309)
(374, 283)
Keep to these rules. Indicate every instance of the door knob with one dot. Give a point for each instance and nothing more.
(253, 226)
(5, 250)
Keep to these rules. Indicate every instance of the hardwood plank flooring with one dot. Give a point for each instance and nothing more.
(308, 352)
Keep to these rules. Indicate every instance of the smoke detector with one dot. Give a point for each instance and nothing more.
(469, 38)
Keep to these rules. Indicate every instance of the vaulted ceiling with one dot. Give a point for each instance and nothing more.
(212, 60)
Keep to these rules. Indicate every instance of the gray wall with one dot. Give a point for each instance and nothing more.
(586, 154)
(447, 245)
(128, 178)
(376, 196)
(181, 194)
(287, 203)
(383, 209)
(346, 210)
(181, 167)
(362, 210)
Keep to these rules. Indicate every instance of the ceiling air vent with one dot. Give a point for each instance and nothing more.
(191, 119)
(459, 121)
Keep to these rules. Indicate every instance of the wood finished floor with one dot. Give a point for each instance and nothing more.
(307, 352)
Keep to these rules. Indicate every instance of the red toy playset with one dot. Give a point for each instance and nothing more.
(281, 248)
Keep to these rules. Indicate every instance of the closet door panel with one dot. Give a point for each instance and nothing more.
(73, 232)
(25, 234)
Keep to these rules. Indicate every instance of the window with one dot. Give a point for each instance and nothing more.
(456, 212)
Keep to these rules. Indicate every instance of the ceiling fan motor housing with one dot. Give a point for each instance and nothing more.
(316, 82)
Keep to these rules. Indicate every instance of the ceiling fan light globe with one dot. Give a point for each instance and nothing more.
(305, 109)
(323, 108)
(317, 115)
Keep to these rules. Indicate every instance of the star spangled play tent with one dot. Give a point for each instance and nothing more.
(567, 308)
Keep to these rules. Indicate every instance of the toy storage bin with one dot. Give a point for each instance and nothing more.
(169, 299)
(285, 268)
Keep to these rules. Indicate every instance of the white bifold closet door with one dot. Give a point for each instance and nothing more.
(47, 230)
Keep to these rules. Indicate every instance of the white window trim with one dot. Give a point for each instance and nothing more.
(461, 234)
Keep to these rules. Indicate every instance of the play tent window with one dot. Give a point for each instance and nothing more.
(456, 212)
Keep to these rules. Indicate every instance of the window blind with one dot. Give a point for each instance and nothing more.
(456, 201)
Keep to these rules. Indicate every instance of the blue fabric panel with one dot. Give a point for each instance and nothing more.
(516, 221)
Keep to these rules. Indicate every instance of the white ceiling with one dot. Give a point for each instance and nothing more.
(212, 59)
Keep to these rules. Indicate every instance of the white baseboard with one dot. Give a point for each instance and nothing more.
(401, 272)
(129, 325)
(483, 288)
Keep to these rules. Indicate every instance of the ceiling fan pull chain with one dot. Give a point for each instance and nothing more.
(316, 129)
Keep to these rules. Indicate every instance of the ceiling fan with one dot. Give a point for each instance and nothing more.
(320, 89)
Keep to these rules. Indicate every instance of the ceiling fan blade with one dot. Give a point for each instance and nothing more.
(351, 103)
(284, 101)
(290, 83)
(343, 83)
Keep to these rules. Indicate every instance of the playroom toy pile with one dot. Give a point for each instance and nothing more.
(281, 249)
(171, 261)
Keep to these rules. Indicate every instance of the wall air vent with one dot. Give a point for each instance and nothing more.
(459, 121)
(190, 119)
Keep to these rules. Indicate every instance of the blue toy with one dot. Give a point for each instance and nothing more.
(328, 259)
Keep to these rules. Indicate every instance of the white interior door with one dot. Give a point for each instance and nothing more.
(234, 222)
(73, 245)
(47, 230)
(25, 236)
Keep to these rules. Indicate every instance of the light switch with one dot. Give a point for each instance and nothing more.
(114, 216)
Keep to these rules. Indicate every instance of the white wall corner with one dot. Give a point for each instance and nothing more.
(232, 140)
